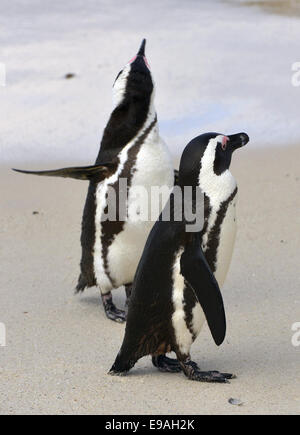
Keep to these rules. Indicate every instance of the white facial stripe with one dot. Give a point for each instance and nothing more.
(217, 187)
(120, 84)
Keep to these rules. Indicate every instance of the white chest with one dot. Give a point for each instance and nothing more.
(226, 242)
(153, 167)
(184, 335)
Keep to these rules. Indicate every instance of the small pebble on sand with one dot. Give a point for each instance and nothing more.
(69, 76)
(236, 402)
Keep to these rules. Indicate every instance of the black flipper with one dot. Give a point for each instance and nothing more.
(197, 273)
(94, 172)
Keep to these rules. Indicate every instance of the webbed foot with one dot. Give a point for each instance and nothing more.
(192, 371)
(111, 311)
(165, 364)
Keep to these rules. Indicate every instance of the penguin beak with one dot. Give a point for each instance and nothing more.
(140, 57)
(141, 51)
(238, 140)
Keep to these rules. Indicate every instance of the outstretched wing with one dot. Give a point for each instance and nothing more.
(95, 172)
(198, 275)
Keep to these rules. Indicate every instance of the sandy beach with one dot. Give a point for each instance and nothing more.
(60, 346)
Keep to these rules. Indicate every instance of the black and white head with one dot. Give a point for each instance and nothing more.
(133, 95)
(206, 160)
(134, 81)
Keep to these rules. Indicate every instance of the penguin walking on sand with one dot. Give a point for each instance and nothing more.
(176, 283)
(132, 150)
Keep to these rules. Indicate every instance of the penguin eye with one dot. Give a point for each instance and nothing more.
(225, 139)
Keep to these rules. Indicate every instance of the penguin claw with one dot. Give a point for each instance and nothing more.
(226, 375)
(114, 373)
(165, 364)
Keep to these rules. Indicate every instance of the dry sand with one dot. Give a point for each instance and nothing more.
(60, 347)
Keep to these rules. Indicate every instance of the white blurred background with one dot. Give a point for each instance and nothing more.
(218, 65)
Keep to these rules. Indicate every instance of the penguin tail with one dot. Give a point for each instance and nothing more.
(121, 366)
(81, 285)
(84, 282)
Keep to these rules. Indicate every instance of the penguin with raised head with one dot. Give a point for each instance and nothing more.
(131, 149)
(176, 283)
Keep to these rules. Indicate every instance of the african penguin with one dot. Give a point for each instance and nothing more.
(176, 283)
(131, 149)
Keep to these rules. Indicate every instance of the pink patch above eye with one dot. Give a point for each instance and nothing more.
(225, 139)
(146, 62)
(133, 59)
